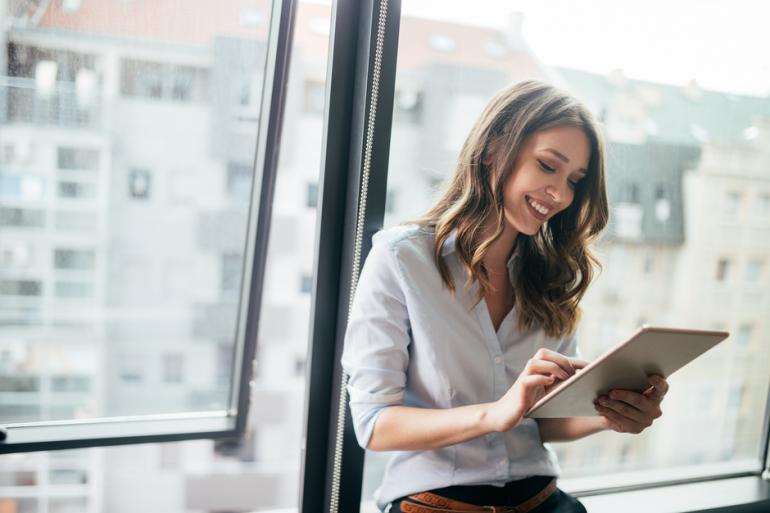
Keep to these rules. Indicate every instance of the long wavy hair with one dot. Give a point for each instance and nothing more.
(556, 265)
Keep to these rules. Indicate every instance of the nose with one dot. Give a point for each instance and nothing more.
(559, 192)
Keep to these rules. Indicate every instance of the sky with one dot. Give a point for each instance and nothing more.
(723, 45)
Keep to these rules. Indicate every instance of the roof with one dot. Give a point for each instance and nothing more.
(685, 115)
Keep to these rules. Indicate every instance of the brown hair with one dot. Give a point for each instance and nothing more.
(556, 264)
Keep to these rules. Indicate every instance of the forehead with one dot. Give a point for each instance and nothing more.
(569, 141)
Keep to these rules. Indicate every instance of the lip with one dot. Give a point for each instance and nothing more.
(537, 215)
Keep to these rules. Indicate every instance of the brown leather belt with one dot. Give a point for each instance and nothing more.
(427, 502)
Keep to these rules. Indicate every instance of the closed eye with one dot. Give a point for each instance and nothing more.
(546, 167)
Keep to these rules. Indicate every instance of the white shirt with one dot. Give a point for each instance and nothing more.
(410, 342)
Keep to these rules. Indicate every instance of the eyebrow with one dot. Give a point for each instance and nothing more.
(561, 156)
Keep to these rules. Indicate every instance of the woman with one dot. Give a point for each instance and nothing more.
(461, 320)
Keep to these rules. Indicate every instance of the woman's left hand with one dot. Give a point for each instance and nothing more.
(633, 412)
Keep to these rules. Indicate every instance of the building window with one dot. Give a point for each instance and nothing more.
(19, 383)
(239, 178)
(754, 271)
(162, 81)
(74, 259)
(79, 384)
(21, 287)
(131, 366)
(723, 269)
(632, 194)
(312, 195)
(299, 366)
(232, 264)
(77, 159)
(139, 183)
(22, 217)
(762, 207)
(743, 337)
(28, 188)
(733, 203)
(77, 190)
(306, 283)
(173, 368)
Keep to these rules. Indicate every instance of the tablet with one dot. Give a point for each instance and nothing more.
(651, 350)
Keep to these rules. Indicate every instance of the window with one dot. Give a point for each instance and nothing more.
(72, 189)
(754, 269)
(22, 217)
(92, 321)
(21, 287)
(669, 189)
(762, 208)
(723, 270)
(306, 284)
(72, 158)
(152, 313)
(139, 184)
(239, 178)
(232, 267)
(74, 259)
(311, 196)
(733, 201)
(163, 81)
(26, 188)
(743, 337)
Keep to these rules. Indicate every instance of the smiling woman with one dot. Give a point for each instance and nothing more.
(487, 283)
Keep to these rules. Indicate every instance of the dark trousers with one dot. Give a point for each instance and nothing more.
(511, 494)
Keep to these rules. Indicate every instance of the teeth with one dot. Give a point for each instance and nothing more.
(537, 206)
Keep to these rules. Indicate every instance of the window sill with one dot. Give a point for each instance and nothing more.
(741, 494)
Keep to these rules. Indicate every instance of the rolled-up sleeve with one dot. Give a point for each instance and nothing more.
(375, 354)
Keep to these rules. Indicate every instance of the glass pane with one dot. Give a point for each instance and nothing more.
(688, 181)
(120, 124)
(261, 473)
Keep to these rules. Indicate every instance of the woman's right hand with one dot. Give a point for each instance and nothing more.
(542, 371)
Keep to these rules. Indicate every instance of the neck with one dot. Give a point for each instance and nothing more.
(496, 258)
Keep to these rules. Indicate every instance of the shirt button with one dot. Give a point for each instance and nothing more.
(498, 359)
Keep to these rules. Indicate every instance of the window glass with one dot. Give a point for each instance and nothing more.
(681, 171)
(135, 240)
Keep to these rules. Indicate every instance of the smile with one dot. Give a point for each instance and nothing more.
(541, 209)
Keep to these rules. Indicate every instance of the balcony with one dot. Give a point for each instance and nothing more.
(62, 105)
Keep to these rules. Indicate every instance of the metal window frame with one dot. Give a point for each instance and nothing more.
(230, 423)
(356, 146)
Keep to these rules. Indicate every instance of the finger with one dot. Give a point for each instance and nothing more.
(620, 423)
(625, 410)
(546, 367)
(637, 400)
(557, 358)
(660, 384)
(534, 380)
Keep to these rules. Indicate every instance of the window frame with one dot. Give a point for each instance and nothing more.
(229, 422)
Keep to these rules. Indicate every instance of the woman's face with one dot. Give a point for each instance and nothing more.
(549, 164)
